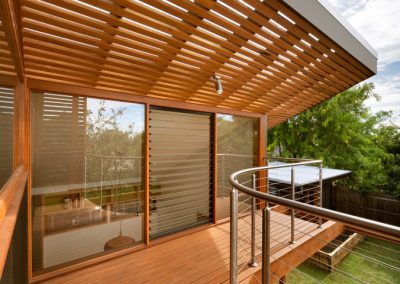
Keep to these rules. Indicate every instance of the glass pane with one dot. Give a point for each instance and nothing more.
(87, 185)
(6, 133)
(237, 149)
(180, 171)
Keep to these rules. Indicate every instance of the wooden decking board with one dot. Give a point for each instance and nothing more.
(214, 273)
(279, 232)
(201, 257)
(291, 256)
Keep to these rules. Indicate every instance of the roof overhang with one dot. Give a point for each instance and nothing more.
(278, 57)
(330, 22)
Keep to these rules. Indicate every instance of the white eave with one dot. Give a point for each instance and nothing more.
(329, 21)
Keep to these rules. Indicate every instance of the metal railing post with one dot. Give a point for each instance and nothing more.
(367, 226)
(233, 236)
(101, 182)
(253, 261)
(320, 192)
(223, 175)
(292, 215)
(266, 245)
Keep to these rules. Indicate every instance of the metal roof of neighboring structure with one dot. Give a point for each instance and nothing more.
(303, 174)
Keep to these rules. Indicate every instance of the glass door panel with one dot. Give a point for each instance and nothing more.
(237, 142)
(87, 185)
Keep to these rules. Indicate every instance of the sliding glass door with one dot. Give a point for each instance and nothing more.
(87, 185)
(180, 170)
(88, 194)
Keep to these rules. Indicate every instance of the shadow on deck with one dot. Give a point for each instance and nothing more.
(203, 256)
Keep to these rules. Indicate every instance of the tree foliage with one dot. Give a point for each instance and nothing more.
(344, 133)
(236, 135)
(113, 148)
(105, 136)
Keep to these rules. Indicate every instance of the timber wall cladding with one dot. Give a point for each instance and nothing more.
(270, 59)
(6, 133)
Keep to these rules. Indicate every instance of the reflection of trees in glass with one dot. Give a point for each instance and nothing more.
(114, 149)
(237, 138)
(236, 135)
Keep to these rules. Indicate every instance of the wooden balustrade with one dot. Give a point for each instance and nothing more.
(10, 201)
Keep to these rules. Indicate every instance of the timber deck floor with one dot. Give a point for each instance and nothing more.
(200, 257)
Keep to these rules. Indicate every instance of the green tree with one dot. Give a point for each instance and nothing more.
(344, 133)
(112, 149)
(389, 137)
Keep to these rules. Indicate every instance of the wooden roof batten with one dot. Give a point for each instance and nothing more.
(271, 58)
(11, 58)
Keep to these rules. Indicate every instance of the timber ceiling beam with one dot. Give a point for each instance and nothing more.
(10, 24)
(271, 58)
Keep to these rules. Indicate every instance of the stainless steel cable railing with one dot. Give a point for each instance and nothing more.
(303, 215)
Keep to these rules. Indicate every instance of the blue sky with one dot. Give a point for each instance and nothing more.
(133, 113)
(378, 21)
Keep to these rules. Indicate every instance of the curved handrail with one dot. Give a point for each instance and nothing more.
(369, 226)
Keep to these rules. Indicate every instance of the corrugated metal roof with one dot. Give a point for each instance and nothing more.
(303, 174)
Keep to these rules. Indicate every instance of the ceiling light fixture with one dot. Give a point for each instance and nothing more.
(218, 84)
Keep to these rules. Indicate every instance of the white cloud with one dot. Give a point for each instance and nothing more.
(378, 22)
(350, 7)
(388, 87)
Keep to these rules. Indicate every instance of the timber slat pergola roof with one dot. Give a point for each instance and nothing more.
(6, 63)
(270, 58)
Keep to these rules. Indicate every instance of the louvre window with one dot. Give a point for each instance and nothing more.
(180, 170)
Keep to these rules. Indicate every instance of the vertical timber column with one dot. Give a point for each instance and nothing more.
(22, 143)
(147, 176)
(214, 166)
(261, 154)
(21, 125)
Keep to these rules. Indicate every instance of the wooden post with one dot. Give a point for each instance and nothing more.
(22, 150)
(18, 124)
